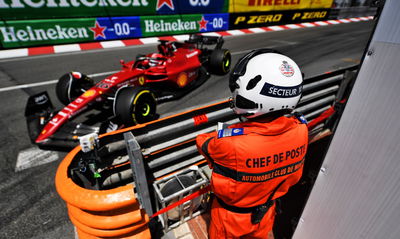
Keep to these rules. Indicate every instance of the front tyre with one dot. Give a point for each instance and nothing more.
(135, 105)
(71, 85)
(220, 61)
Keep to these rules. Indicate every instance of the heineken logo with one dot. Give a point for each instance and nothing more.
(164, 26)
(176, 25)
(203, 24)
(98, 31)
(74, 3)
(12, 34)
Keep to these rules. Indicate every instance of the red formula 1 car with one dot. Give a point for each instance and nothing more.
(127, 97)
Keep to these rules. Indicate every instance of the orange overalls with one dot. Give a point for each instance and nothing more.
(251, 161)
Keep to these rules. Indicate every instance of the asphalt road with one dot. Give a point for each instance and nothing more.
(29, 204)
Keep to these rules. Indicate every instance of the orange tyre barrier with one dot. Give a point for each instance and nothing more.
(106, 220)
(140, 234)
(104, 213)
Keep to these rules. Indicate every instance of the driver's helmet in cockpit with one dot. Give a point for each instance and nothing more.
(156, 59)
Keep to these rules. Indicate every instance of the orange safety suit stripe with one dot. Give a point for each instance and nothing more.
(247, 167)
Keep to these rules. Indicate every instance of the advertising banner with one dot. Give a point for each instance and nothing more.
(191, 6)
(45, 9)
(178, 24)
(261, 19)
(27, 33)
(56, 31)
(274, 5)
(117, 28)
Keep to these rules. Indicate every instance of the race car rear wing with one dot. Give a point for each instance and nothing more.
(206, 40)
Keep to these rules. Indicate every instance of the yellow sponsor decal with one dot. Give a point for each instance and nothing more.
(272, 5)
(259, 19)
(89, 93)
(309, 15)
(182, 79)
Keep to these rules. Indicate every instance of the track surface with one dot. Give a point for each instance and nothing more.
(29, 204)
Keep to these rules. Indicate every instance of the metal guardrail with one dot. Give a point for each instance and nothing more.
(168, 144)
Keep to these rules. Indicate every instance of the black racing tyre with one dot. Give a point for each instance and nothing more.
(71, 85)
(135, 105)
(220, 61)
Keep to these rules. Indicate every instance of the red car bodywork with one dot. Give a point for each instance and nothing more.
(127, 97)
(179, 68)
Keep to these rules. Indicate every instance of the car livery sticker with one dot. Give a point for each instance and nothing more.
(141, 80)
(89, 93)
(182, 79)
(191, 54)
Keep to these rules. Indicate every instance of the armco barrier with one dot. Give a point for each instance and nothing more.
(167, 145)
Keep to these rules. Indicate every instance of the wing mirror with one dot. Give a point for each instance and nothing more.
(123, 63)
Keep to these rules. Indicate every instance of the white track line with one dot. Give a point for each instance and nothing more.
(276, 28)
(34, 156)
(235, 32)
(210, 34)
(48, 82)
(149, 40)
(256, 30)
(181, 37)
(307, 24)
(67, 48)
(92, 75)
(14, 53)
(112, 44)
(293, 26)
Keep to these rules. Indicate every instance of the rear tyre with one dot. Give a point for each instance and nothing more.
(71, 85)
(220, 61)
(135, 105)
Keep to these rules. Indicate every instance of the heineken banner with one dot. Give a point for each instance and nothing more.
(50, 32)
(116, 28)
(45, 9)
(260, 19)
(57, 31)
(42, 32)
(273, 5)
(177, 24)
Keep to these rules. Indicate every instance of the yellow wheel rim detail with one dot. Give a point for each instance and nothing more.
(226, 63)
(147, 110)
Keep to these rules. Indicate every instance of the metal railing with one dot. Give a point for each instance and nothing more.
(167, 146)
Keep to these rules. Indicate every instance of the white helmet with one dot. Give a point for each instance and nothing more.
(265, 81)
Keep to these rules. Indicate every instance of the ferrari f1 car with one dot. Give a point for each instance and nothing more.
(127, 97)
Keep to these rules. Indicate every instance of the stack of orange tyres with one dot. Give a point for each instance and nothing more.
(113, 213)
